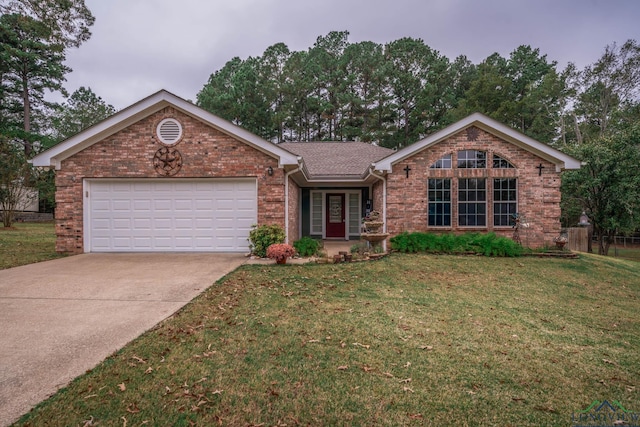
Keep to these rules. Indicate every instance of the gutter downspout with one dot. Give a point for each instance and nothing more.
(286, 199)
(384, 201)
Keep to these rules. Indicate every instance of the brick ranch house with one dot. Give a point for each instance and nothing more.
(166, 175)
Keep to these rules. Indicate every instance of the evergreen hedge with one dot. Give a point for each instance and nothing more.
(487, 244)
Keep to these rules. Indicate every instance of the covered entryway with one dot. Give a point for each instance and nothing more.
(169, 215)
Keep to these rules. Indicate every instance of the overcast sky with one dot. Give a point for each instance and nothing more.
(141, 46)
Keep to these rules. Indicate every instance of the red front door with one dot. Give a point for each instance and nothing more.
(335, 215)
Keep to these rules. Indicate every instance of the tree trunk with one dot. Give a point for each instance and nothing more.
(27, 116)
(578, 133)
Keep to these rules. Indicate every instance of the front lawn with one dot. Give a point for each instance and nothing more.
(407, 340)
(26, 243)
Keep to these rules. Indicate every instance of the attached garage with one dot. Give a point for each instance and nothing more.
(175, 215)
(164, 175)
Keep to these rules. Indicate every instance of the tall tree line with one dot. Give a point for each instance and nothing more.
(392, 94)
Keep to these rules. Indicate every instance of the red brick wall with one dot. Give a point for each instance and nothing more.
(378, 198)
(206, 153)
(538, 196)
(293, 233)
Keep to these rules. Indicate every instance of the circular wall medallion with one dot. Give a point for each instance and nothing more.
(167, 161)
(169, 131)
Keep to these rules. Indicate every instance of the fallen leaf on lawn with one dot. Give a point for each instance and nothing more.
(124, 421)
(357, 344)
(90, 396)
(122, 387)
(342, 344)
(343, 368)
(426, 347)
(545, 409)
(407, 389)
(415, 416)
(217, 392)
(609, 362)
(201, 380)
(367, 368)
(388, 375)
(406, 380)
(149, 370)
(312, 341)
(88, 422)
(139, 359)
(133, 409)
(407, 364)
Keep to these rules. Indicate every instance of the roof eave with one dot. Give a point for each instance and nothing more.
(54, 156)
(561, 160)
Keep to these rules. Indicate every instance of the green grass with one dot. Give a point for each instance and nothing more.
(407, 340)
(632, 253)
(26, 243)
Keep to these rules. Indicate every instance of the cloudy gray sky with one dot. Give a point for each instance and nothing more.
(141, 46)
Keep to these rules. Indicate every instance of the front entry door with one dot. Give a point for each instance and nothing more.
(335, 215)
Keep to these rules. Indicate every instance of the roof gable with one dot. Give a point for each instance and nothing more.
(54, 156)
(560, 159)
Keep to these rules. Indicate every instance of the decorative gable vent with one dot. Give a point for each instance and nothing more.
(169, 131)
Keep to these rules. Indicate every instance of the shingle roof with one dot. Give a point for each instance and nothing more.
(337, 158)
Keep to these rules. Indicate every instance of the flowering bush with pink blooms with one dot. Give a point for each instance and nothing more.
(280, 252)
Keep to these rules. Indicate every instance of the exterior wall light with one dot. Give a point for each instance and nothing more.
(584, 220)
(270, 171)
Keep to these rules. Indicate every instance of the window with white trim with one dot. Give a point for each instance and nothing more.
(316, 213)
(501, 163)
(443, 162)
(354, 213)
(472, 159)
(472, 202)
(504, 201)
(440, 202)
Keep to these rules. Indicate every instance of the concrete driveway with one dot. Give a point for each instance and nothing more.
(60, 318)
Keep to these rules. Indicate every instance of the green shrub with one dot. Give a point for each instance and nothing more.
(306, 246)
(263, 236)
(487, 244)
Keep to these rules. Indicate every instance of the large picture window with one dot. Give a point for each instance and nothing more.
(501, 163)
(504, 201)
(440, 202)
(443, 162)
(472, 202)
(472, 159)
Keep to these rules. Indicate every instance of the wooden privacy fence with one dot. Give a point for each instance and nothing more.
(578, 239)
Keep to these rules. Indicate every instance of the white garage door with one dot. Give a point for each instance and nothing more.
(169, 215)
